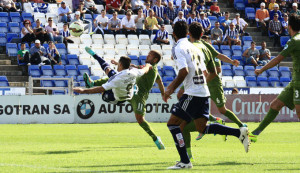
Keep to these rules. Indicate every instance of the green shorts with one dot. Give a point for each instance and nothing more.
(138, 104)
(290, 96)
(216, 92)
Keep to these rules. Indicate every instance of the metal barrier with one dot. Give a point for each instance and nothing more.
(69, 88)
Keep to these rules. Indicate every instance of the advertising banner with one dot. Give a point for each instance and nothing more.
(241, 90)
(12, 91)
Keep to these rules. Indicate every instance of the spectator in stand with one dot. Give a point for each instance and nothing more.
(171, 12)
(90, 6)
(151, 24)
(38, 54)
(275, 29)
(201, 7)
(251, 55)
(177, 3)
(128, 24)
(27, 34)
(114, 24)
(53, 54)
(53, 31)
(100, 2)
(87, 27)
(205, 22)
(23, 55)
(139, 22)
(215, 9)
(115, 5)
(179, 18)
(295, 9)
(8, 5)
(192, 18)
(264, 55)
(64, 13)
(216, 34)
(284, 7)
(226, 22)
(147, 9)
(231, 36)
(82, 9)
(194, 9)
(76, 4)
(240, 24)
(262, 18)
(272, 4)
(162, 36)
(136, 5)
(254, 3)
(66, 35)
(184, 9)
(208, 3)
(100, 23)
(40, 32)
(284, 25)
(276, 10)
(159, 11)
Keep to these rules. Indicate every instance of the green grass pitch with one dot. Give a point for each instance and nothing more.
(125, 147)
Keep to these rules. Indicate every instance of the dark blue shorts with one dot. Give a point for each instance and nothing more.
(191, 107)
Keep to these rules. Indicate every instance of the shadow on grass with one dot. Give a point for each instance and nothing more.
(56, 152)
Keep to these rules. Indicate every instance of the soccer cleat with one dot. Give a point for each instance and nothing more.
(244, 138)
(244, 125)
(221, 121)
(180, 165)
(200, 136)
(89, 51)
(89, 83)
(159, 143)
(253, 137)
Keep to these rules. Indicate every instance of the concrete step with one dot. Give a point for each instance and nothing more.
(10, 68)
(17, 78)
(288, 64)
(11, 73)
(252, 29)
(231, 10)
(5, 62)
(18, 84)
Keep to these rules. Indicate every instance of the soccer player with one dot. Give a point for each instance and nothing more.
(290, 96)
(138, 101)
(120, 86)
(194, 103)
(215, 85)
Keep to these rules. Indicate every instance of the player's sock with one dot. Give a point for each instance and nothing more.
(233, 118)
(212, 118)
(271, 115)
(179, 143)
(145, 125)
(104, 65)
(222, 130)
(100, 82)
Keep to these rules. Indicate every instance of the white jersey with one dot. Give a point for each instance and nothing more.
(122, 83)
(187, 55)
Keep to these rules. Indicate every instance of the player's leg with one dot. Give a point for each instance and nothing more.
(186, 129)
(89, 83)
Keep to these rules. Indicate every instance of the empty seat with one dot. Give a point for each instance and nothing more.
(226, 70)
(250, 13)
(169, 71)
(71, 70)
(15, 17)
(238, 71)
(144, 39)
(284, 71)
(83, 69)
(60, 83)
(284, 81)
(86, 39)
(109, 39)
(73, 49)
(167, 80)
(27, 16)
(11, 49)
(4, 17)
(121, 39)
(262, 81)
(237, 50)
(249, 70)
(247, 41)
(59, 70)
(284, 40)
(239, 5)
(3, 27)
(134, 60)
(213, 20)
(47, 83)
(97, 39)
(73, 59)
(133, 39)
(3, 39)
(40, 16)
(251, 81)
(273, 72)
(61, 47)
(3, 81)
(47, 70)
(226, 50)
(274, 81)
(143, 59)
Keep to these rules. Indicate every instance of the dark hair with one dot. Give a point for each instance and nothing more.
(196, 30)
(253, 42)
(66, 24)
(125, 61)
(26, 21)
(226, 12)
(102, 11)
(23, 43)
(180, 29)
(156, 54)
(263, 42)
(206, 38)
(50, 42)
(294, 22)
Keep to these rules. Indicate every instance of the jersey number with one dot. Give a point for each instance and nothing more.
(296, 94)
(128, 89)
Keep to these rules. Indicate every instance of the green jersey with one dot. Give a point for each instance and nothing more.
(22, 53)
(292, 48)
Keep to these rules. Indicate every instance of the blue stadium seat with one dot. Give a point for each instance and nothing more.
(71, 70)
(167, 80)
(216, 47)
(221, 18)
(237, 50)
(46, 45)
(155, 90)
(11, 49)
(14, 27)
(4, 17)
(263, 74)
(95, 77)
(247, 40)
(251, 81)
(34, 71)
(47, 70)
(83, 69)
(11, 36)
(273, 72)
(284, 40)
(58, 92)
(3, 27)
(143, 59)
(213, 20)
(239, 4)
(169, 71)
(3, 81)
(274, 81)
(61, 47)
(284, 71)
(134, 59)
(262, 81)
(250, 13)
(59, 70)
(239, 58)
(284, 81)
(59, 83)
(238, 71)
(258, 47)
(270, 34)
(27, 16)
(226, 50)
(226, 70)
(15, 17)
(81, 81)
(3, 39)
(47, 83)
(249, 70)
(161, 73)
(88, 17)
(73, 59)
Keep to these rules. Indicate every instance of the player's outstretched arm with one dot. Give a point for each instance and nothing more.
(147, 67)
(160, 85)
(270, 64)
(93, 90)
(225, 58)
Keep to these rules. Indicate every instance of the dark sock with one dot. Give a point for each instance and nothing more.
(145, 125)
(104, 65)
(179, 143)
(271, 115)
(222, 130)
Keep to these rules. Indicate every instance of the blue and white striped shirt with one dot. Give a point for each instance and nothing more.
(172, 14)
(146, 12)
(159, 11)
(65, 33)
(185, 11)
(162, 35)
(204, 22)
(190, 20)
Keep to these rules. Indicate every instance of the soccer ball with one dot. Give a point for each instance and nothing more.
(76, 29)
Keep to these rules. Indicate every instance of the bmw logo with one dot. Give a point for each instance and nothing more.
(85, 109)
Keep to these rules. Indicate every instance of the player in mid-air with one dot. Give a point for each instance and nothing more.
(214, 86)
(121, 85)
(194, 104)
(138, 101)
(290, 96)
